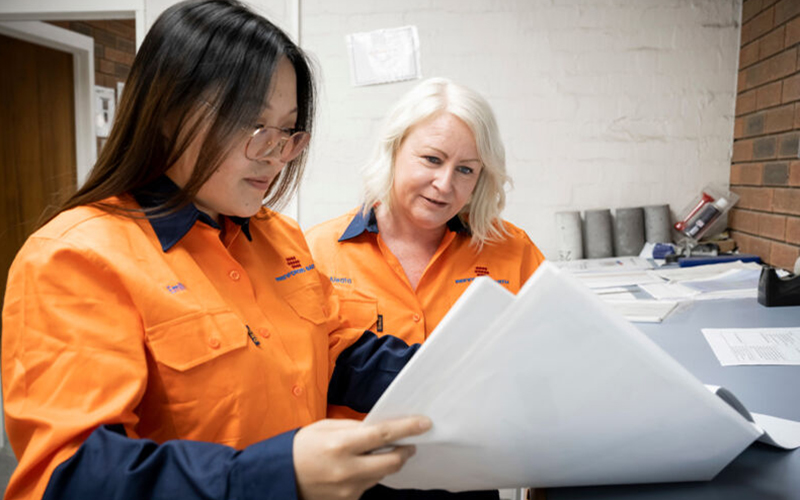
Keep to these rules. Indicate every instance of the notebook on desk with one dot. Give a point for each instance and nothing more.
(553, 388)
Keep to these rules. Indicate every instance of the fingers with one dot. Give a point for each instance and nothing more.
(376, 467)
(372, 436)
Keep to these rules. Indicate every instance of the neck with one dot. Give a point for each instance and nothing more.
(395, 227)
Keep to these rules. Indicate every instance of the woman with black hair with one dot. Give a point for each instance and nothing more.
(165, 334)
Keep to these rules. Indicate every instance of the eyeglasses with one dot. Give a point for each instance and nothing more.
(265, 140)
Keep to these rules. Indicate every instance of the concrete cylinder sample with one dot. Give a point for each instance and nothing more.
(597, 234)
(628, 231)
(570, 239)
(657, 224)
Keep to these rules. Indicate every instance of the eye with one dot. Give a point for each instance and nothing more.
(464, 170)
(432, 159)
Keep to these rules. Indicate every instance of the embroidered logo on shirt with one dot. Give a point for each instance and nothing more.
(481, 271)
(293, 262)
(460, 281)
(298, 270)
(180, 287)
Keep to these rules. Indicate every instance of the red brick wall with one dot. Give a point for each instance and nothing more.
(765, 170)
(114, 49)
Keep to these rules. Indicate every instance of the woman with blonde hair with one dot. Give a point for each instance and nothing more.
(430, 220)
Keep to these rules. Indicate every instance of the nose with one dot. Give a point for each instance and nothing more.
(443, 179)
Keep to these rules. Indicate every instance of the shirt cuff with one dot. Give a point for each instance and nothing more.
(266, 470)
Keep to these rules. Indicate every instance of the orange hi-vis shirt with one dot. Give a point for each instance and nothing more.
(375, 293)
(219, 339)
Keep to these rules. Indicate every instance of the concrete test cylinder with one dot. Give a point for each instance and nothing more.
(570, 239)
(597, 234)
(628, 231)
(657, 224)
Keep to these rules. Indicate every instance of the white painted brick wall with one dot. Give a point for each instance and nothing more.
(602, 103)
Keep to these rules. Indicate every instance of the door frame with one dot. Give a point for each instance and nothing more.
(21, 19)
(82, 49)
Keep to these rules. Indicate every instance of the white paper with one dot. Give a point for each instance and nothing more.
(383, 56)
(616, 279)
(777, 432)
(734, 283)
(700, 272)
(613, 264)
(754, 346)
(560, 391)
(669, 291)
(616, 296)
(643, 311)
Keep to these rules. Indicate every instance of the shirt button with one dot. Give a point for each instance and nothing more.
(297, 390)
(264, 332)
(234, 275)
(213, 342)
(416, 318)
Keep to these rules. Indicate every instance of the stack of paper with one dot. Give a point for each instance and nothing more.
(553, 388)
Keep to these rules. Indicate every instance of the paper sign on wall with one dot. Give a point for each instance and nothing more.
(104, 108)
(384, 56)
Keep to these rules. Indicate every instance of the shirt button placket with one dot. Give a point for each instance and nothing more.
(234, 275)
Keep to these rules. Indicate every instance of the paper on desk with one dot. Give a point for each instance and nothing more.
(562, 391)
(725, 284)
(643, 311)
(754, 346)
(699, 272)
(612, 264)
(777, 432)
(616, 279)
(617, 296)
(734, 283)
(669, 291)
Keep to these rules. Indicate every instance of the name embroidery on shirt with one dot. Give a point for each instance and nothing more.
(337, 279)
(180, 287)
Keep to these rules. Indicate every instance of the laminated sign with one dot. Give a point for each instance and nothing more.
(383, 56)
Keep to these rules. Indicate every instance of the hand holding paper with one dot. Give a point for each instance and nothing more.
(552, 388)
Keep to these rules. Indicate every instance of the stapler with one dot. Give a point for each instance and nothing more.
(776, 291)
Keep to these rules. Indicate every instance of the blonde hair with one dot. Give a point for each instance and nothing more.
(431, 97)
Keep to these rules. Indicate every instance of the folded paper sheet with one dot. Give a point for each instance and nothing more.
(554, 389)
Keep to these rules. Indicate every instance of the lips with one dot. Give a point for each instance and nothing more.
(260, 183)
(435, 202)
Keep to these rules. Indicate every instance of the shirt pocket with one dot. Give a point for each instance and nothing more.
(309, 303)
(191, 341)
(360, 313)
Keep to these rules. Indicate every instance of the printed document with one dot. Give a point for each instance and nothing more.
(755, 346)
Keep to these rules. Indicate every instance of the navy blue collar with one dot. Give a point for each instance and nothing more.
(361, 223)
(171, 228)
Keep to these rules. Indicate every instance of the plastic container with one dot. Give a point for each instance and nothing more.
(703, 213)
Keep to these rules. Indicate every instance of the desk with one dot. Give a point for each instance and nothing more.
(761, 471)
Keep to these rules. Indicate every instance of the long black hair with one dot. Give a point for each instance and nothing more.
(203, 64)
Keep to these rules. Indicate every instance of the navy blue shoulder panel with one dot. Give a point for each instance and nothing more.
(111, 465)
(365, 369)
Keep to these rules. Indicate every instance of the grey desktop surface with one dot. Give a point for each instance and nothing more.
(761, 471)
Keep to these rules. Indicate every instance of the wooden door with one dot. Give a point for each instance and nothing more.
(37, 139)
